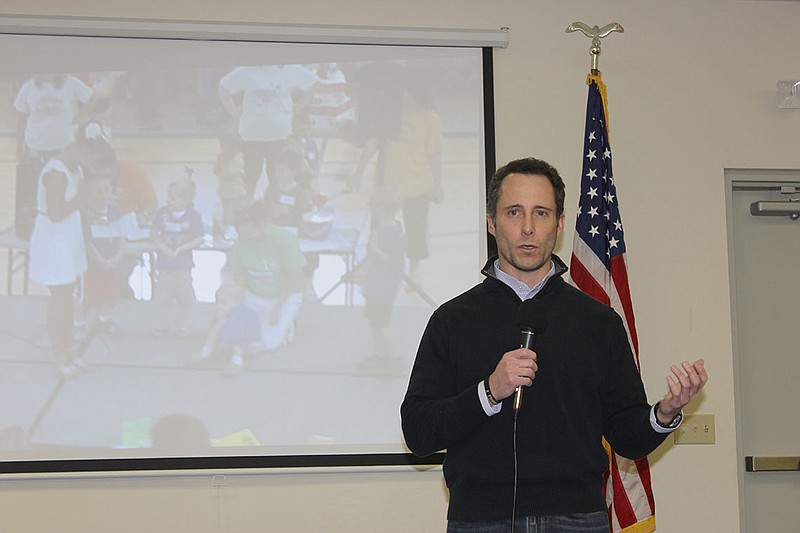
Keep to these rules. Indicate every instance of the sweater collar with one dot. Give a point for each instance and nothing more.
(490, 271)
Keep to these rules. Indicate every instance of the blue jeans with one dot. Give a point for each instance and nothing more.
(573, 523)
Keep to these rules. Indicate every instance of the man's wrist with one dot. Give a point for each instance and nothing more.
(484, 393)
(672, 422)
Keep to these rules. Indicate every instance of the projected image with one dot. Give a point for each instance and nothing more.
(236, 257)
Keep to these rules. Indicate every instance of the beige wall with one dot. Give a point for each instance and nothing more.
(692, 92)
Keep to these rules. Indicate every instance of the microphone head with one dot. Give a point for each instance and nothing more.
(532, 316)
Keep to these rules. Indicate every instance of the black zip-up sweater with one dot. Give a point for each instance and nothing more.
(587, 386)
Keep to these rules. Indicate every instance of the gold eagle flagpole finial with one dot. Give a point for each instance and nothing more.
(596, 34)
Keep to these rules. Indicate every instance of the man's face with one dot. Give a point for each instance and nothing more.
(526, 226)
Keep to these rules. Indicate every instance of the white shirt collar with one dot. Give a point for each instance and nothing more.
(520, 287)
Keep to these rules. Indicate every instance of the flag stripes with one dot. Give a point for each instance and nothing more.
(598, 267)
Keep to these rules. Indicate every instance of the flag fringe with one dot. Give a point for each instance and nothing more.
(648, 525)
(598, 79)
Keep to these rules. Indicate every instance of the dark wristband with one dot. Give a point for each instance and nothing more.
(489, 396)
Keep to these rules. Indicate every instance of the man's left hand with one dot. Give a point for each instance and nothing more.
(682, 388)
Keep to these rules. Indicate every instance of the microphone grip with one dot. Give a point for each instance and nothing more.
(526, 341)
(517, 398)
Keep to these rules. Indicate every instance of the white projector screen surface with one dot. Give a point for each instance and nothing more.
(330, 383)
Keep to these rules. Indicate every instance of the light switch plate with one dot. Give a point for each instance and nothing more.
(696, 429)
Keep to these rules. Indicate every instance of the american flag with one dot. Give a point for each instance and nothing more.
(599, 269)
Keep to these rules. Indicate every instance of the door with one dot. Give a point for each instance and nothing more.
(765, 256)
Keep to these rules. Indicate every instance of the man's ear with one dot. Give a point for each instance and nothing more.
(490, 223)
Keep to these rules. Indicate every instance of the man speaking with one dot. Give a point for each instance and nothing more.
(535, 465)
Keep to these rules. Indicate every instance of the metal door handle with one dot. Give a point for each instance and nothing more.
(771, 464)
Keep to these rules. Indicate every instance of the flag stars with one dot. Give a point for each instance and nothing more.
(598, 222)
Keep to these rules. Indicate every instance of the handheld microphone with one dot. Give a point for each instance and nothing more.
(532, 320)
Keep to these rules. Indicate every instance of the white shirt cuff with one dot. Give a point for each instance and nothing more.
(488, 408)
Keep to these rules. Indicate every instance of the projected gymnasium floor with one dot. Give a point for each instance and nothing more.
(293, 395)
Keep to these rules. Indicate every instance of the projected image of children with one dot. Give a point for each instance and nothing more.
(211, 232)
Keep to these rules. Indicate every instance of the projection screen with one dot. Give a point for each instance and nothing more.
(228, 373)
